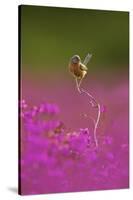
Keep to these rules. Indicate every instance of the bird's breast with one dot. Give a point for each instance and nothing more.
(75, 69)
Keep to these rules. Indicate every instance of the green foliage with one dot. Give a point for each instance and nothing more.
(50, 36)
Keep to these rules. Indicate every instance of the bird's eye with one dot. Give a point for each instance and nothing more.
(75, 60)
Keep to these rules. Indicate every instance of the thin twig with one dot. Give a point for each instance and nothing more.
(96, 125)
(94, 104)
(90, 117)
(80, 82)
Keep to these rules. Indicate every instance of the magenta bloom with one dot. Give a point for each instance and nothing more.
(55, 159)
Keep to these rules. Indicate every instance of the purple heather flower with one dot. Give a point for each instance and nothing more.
(38, 141)
(93, 156)
(84, 131)
(33, 127)
(86, 134)
(23, 104)
(110, 155)
(65, 151)
(50, 125)
(108, 140)
(51, 151)
(47, 108)
(78, 143)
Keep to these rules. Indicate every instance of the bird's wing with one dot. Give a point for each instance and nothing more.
(87, 59)
(83, 67)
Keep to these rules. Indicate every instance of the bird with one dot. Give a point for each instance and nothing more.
(79, 69)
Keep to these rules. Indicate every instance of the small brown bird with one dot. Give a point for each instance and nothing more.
(79, 69)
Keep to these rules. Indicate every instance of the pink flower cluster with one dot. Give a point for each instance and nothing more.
(56, 159)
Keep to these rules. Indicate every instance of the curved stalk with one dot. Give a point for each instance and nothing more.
(94, 104)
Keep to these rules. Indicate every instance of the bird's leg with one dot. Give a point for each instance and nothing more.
(77, 85)
(80, 82)
(81, 79)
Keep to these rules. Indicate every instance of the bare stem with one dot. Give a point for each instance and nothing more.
(96, 125)
(94, 104)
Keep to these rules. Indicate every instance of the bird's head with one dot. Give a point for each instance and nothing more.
(75, 59)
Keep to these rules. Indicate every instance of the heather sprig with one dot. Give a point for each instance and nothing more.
(93, 102)
(82, 70)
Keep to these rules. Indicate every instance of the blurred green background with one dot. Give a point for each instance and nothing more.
(50, 36)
